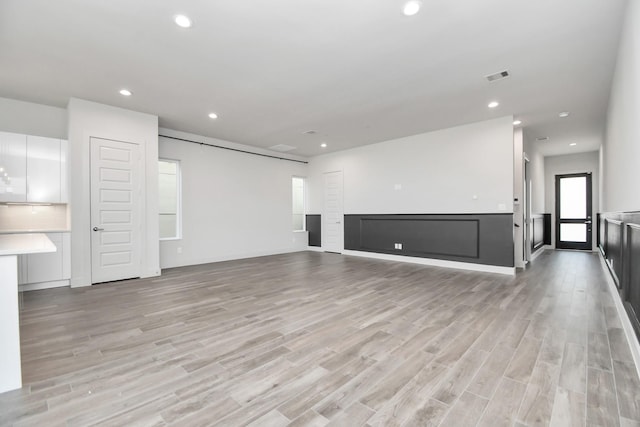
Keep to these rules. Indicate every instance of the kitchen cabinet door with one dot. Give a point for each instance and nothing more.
(13, 167)
(47, 267)
(43, 170)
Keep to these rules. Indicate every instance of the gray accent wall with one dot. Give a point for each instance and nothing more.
(473, 238)
(619, 241)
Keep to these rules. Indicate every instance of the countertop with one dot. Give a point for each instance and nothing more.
(17, 244)
(33, 231)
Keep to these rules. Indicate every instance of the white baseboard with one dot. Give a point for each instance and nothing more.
(634, 345)
(315, 249)
(539, 252)
(435, 262)
(43, 285)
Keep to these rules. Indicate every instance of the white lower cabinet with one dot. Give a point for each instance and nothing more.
(46, 270)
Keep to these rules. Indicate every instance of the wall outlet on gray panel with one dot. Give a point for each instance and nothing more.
(398, 245)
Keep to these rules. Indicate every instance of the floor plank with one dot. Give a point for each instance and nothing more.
(323, 339)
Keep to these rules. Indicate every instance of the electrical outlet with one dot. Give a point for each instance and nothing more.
(398, 246)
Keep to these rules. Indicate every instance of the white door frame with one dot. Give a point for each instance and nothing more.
(328, 219)
(99, 224)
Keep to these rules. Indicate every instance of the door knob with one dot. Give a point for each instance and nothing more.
(98, 229)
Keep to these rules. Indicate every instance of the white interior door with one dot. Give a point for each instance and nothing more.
(115, 210)
(333, 215)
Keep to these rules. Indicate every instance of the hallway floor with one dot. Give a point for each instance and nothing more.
(315, 339)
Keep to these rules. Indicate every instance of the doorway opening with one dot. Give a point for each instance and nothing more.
(573, 211)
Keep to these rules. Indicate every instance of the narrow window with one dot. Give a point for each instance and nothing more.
(297, 191)
(169, 199)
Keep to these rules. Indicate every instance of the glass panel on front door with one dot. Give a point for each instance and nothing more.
(573, 211)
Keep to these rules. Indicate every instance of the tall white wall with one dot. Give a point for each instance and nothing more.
(435, 172)
(537, 175)
(234, 205)
(32, 119)
(87, 120)
(518, 193)
(621, 149)
(572, 163)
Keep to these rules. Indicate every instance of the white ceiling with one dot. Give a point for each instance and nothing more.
(356, 71)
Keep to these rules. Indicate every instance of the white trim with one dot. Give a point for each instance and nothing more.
(43, 285)
(634, 345)
(539, 252)
(315, 249)
(435, 262)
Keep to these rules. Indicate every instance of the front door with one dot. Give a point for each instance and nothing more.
(333, 215)
(115, 210)
(573, 211)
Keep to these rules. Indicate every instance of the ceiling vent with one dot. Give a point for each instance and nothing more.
(282, 148)
(497, 76)
(542, 138)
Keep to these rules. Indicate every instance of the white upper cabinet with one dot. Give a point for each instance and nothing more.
(43, 170)
(36, 169)
(13, 167)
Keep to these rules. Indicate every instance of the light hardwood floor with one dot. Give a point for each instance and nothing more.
(312, 339)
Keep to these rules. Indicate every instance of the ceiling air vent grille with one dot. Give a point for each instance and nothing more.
(497, 76)
(282, 148)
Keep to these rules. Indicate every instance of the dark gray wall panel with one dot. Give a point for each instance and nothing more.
(475, 238)
(620, 245)
(632, 282)
(314, 227)
(547, 228)
(613, 233)
(537, 224)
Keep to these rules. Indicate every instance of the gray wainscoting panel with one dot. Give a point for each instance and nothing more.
(474, 238)
(537, 224)
(633, 273)
(613, 232)
(314, 227)
(620, 245)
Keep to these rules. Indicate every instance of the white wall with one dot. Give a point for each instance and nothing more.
(573, 163)
(518, 193)
(87, 120)
(32, 119)
(439, 172)
(234, 205)
(621, 149)
(537, 175)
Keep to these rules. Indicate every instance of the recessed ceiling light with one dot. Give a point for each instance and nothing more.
(125, 92)
(493, 104)
(310, 132)
(517, 122)
(573, 144)
(564, 114)
(542, 138)
(323, 145)
(182, 21)
(213, 116)
(411, 7)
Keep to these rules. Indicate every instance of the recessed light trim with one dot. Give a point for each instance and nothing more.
(213, 116)
(182, 21)
(542, 138)
(517, 122)
(493, 104)
(323, 145)
(125, 92)
(573, 144)
(412, 7)
(564, 114)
